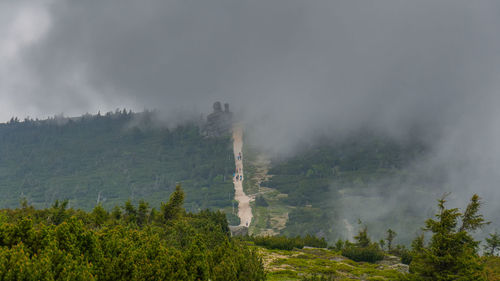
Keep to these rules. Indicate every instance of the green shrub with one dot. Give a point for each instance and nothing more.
(406, 257)
(338, 245)
(371, 253)
(285, 243)
(313, 241)
(279, 242)
(76, 245)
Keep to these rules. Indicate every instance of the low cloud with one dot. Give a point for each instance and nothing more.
(290, 69)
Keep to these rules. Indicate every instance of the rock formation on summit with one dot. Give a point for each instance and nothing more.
(219, 122)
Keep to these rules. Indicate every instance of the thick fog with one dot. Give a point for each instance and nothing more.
(290, 69)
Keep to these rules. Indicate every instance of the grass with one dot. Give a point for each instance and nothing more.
(268, 220)
(250, 185)
(297, 264)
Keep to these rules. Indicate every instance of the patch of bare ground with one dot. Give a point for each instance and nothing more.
(274, 218)
(262, 164)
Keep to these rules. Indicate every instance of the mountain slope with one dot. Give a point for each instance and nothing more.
(328, 186)
(110, 159)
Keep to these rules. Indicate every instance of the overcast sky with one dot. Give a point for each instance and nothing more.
(388, 62)
(290, 68)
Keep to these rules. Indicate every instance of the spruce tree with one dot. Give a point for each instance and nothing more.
(492, 244)
(173, 208)
(362, 238)
(391, 234)
(452, 252)
(142, 213)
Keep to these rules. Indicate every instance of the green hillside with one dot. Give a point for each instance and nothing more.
(334, 182)
(112, 158)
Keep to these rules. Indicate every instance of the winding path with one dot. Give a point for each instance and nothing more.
(244, 209)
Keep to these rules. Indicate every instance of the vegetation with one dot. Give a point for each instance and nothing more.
(492, 244)
(286, 243)
(452, 252)
(321, 264)
(391, 234)
(319, 277)
(363, 249)
(261, 201)
(108, 159)
(370, 253)
(323, 180)
(142, 244)
(103, 164)
(492, 268)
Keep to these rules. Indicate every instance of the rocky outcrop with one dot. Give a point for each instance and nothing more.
(219, 122)
(394, 262)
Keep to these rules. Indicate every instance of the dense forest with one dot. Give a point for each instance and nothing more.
(129, 243)
(110, 158)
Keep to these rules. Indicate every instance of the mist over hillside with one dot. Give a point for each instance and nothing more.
(293, 70)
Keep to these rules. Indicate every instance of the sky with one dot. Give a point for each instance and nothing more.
(290, 69)
(321, 65)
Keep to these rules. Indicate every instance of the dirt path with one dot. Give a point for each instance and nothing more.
(244, 209)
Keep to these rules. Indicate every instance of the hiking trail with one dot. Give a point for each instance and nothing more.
(244, 209)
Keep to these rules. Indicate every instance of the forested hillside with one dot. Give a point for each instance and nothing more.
(332, 184)
(112, 158)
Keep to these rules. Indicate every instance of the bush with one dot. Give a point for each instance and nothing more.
(285, 243)
(406, 257)
(371, 253)
(313, 241)
(338, 245)
(279, 242)
(70, 246)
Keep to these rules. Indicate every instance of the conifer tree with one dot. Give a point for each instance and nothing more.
(492, 244)
(130, 211)
(452, 252)
(391, 234)
(142, 213)
(362, 238)
(173, 208)
(99, 215)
